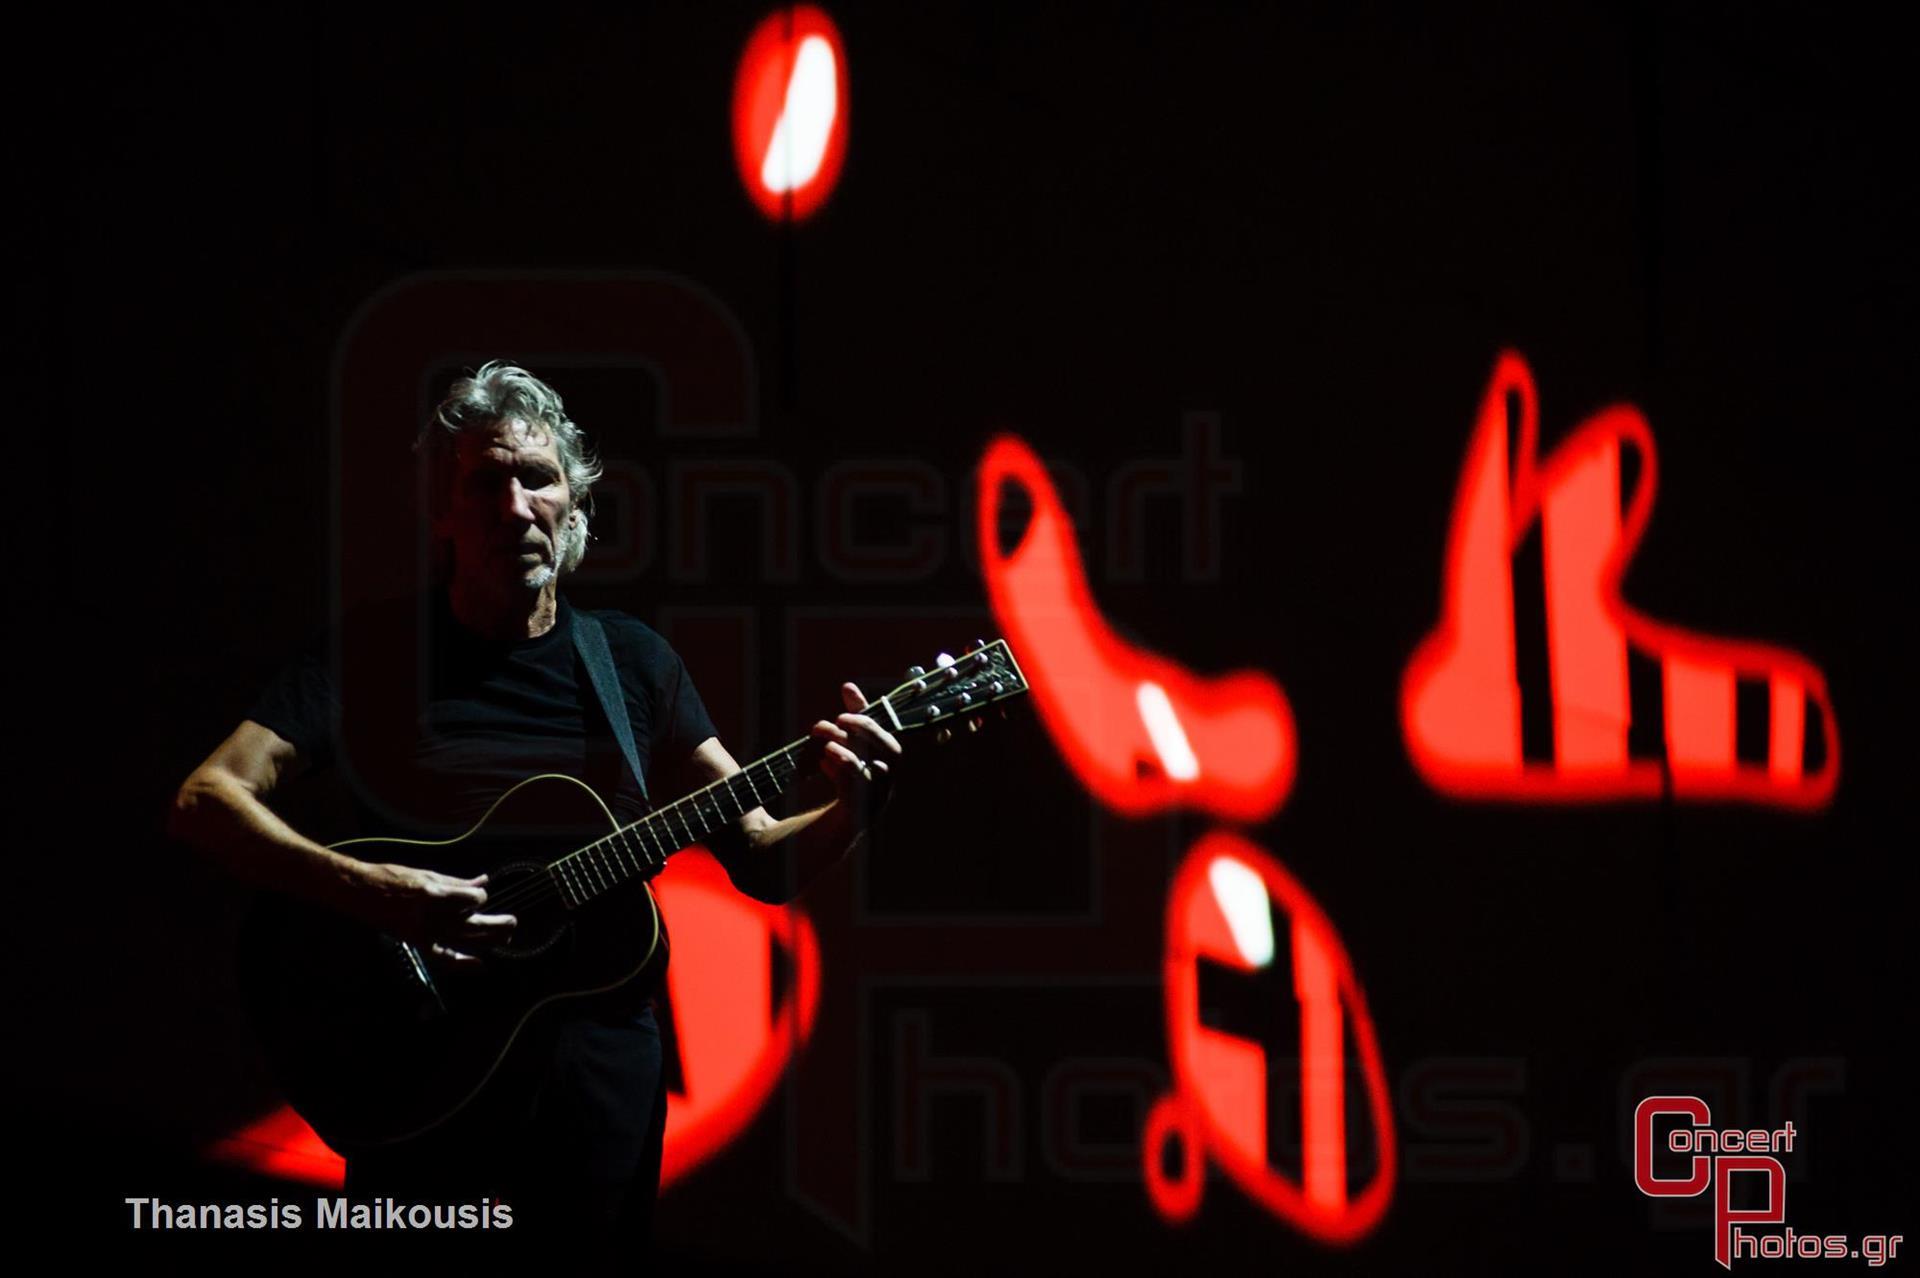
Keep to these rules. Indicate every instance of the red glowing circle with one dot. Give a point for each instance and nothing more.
(790, 112)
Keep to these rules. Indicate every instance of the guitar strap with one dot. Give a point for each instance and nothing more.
(590, 640)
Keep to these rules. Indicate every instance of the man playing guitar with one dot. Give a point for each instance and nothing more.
(569, 1129)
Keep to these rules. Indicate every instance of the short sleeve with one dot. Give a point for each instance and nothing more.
(683, 716)
(300, 705)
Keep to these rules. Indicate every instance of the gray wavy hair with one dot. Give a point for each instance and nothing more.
(500, 391)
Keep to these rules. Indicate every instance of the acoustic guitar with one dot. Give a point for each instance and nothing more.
(373, 1046)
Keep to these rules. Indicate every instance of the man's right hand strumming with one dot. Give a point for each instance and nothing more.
(434, 911)
(220, 809)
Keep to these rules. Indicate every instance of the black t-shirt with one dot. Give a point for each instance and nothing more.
(429, 723)
(434, 722)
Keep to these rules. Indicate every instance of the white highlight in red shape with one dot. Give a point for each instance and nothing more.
(790, 112)
(1163, 727)
(800, 138)
(1243, 900)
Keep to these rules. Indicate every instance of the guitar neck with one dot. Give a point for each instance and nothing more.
(952, 691)
(637, 851)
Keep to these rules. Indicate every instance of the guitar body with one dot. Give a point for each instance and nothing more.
(372, 1045)
(375, 1048)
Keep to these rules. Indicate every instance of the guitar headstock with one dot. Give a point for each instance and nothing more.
(957, 690)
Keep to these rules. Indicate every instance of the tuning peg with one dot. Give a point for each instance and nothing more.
(973, 724)
(978, 644)
(916, 672)
(943, 736)
(943, 660)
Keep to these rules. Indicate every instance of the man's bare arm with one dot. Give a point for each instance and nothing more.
(221, 811)
(762, 855)
(774, 860)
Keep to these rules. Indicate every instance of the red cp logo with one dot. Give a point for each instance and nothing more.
(1716, 1170)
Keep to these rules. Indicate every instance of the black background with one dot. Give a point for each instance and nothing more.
(1078, 224)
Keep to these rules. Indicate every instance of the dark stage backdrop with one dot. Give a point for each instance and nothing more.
(1298, 236)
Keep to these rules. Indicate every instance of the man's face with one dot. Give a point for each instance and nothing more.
(506, 503)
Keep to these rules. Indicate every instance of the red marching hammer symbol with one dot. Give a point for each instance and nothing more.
(1541, 684)
(1144, 734)
(1235, 1085)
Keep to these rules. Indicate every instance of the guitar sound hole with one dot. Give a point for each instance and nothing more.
(526, 891)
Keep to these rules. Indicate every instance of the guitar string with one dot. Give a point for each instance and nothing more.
(545, 883)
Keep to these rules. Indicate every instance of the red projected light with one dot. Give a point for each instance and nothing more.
(1280, 989)
(281, 1144)
(1143, 733)
(1540, 683)
(790, 112)
(734, 1031)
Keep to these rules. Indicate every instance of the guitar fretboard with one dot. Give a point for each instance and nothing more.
(638, 851)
